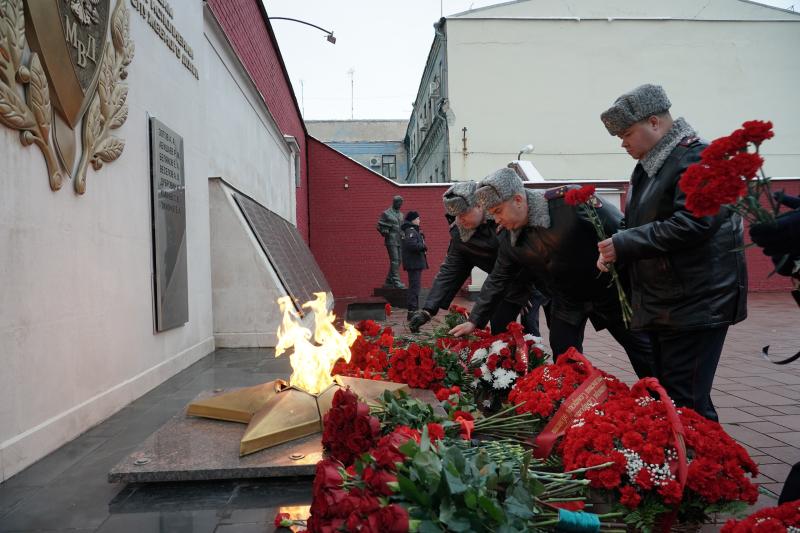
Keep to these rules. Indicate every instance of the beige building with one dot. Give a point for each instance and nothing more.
(541, 71)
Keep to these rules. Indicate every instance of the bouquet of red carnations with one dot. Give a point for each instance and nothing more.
(496, 362)
(560, 392)
(663, 465)
(729, 174)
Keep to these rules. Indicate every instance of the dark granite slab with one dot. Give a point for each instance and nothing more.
(189, 448)
(199, 449)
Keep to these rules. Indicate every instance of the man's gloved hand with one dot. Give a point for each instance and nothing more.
(780, 238)
(418, 319)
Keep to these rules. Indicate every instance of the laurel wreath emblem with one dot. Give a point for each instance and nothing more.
(31, 115)
(109, 108)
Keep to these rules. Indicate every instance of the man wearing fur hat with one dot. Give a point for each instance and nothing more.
(556, 244)
(474, 243)
(688, 277)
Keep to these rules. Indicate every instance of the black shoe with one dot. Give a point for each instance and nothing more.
(409, 315)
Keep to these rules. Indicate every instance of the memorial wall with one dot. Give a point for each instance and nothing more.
(114, 115)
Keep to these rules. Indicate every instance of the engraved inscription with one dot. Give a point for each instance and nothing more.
(159, 14)
(169, 226)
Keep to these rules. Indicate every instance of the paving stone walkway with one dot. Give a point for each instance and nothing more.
(67, 491)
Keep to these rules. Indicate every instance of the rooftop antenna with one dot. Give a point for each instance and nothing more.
(351, 73)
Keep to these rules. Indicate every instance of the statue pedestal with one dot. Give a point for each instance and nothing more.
(397, 297)
(354, 309)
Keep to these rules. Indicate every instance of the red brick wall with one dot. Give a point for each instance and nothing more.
(350, 251)
(344, 240)
(252, 39)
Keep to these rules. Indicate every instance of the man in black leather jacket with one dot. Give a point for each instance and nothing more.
(474, 243)
(781, 243)
(554, 243)
(688, 274)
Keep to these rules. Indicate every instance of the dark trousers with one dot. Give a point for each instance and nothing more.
(685, 363)
(636, 344)
(395, 259)
(791, 488)
(414, 286)
(507, 312)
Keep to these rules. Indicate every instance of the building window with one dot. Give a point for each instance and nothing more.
(294, 162)
(389, 166)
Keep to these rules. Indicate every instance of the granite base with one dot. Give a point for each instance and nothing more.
(189, 448)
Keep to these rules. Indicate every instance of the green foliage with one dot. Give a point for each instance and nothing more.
(453, 491)
(644, 517)
(399, 409)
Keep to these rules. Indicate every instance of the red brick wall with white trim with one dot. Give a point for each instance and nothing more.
(248, 33)
(350, 251)
(344, 240)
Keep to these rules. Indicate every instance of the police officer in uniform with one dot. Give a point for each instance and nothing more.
(474, 243)
(687, 273)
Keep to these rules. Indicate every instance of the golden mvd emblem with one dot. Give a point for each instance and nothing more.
(71, 78)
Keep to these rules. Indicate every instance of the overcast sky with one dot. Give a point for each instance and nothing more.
(384, 42)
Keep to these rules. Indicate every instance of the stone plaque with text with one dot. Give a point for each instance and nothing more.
(286, 251)
(169, 227)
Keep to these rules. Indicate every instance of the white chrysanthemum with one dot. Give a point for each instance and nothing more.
(486, 373)
(497, 346)
(535, 339)
(479, 356)
(475, 383)
(503, 378)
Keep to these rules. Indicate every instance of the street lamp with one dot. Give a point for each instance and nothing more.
(528, 148)
(331, 39)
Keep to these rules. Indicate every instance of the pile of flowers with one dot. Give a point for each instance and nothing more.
(377, 355)
(660, 461)
(412, 480)
(781, 519)
(369, 354)
(401, 464)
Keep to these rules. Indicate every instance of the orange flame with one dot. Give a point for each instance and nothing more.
(312, 362)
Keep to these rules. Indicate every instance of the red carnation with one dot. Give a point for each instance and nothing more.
(579, 196)
(283, 520)
(435, 431)
(757, 131)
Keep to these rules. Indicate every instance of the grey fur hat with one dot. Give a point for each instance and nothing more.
(498, 187)
(642, 102)
(459, 197)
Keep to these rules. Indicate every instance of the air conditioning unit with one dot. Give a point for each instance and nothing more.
(375, 161)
